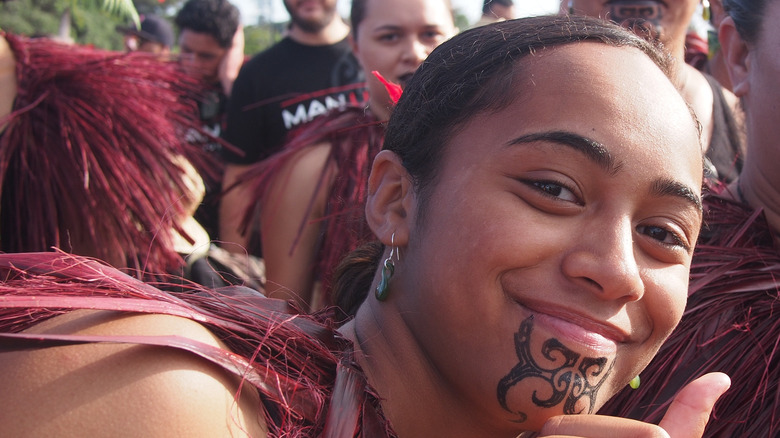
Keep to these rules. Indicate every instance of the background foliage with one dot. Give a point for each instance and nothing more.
(91, 22)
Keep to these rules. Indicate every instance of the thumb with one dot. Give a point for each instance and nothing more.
(690, 410)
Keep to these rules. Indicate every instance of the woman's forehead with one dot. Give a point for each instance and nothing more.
(615, 96)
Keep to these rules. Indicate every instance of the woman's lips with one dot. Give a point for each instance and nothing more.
(577, 332)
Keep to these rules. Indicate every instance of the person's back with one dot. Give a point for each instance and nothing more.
(309, 72)
(95, 163)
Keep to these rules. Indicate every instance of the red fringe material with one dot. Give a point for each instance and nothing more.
(88, 158)
(731, 324)
(303, 369)
(356, 136)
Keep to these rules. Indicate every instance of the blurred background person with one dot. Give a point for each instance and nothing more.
(211, 45)
(309, 199)
(211, 42)
(496, 10)
(300, 78)
(95, 162)
(154, 36)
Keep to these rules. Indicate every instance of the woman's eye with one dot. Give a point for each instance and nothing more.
(555, 190)
(432, 35)
(389, 37)
(662, 235)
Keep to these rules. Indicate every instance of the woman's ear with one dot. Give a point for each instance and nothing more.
(736, 56)
(391, 200)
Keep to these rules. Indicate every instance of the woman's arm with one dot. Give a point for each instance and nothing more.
(294, 199)
(123, 390)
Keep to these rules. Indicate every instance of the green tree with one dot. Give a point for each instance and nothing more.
(83, 21)
(261, 36)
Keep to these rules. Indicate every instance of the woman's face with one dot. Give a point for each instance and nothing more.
(669, 18)
(758, 88)
(553, 258)
(396, 36)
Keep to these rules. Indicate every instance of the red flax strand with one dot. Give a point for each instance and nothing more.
(88, 160)
(303, 369)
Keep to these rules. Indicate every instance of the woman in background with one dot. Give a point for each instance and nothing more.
(309, 211)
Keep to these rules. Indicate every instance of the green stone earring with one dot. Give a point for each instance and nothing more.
(383, 288)
(634, 383)
(388, 269)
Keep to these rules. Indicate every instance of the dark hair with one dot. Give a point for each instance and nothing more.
(218, 18)
(358, 13)
(472, 73)
(487, 4)
(748, 16)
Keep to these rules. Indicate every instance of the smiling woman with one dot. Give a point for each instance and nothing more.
(535, 205)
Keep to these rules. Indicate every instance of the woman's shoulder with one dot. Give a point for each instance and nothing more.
(105, 387)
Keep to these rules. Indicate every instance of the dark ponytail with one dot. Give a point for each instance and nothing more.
(354, 275)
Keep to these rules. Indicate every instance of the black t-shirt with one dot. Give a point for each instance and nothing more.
(285, 87)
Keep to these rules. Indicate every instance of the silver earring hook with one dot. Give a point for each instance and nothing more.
(393, 248)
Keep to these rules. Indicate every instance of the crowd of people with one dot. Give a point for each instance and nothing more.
(387, 226)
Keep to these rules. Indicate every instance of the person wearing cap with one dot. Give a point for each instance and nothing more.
(154, 36)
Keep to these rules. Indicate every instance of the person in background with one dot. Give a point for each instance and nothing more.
(731, 322)
(155, 36)
(531, 257)
(310, 197)
(306, 74)
(717, 108)
(94, 160)
(211, 45)
(496, 10)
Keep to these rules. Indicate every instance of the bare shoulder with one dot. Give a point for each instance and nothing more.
(308, 163)
(298, 179)
(123, 390)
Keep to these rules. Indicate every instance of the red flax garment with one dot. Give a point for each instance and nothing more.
(90, 156)
(304, 370)
(731, 324)
(355, 136)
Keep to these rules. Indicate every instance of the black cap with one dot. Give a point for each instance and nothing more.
(153, 28)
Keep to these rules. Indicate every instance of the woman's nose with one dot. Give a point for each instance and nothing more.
(416, 52)
(604, 262)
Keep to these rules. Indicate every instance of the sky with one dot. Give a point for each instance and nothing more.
(252, 9)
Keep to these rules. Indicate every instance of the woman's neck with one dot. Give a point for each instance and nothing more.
(381, 108)
(416, 398)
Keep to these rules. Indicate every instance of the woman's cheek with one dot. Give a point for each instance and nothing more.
(551, 378)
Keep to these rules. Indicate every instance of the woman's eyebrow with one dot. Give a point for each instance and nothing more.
(667, 187)
(592, 149)
(599, 154)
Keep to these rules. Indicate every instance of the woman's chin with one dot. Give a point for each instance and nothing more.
(554, 377)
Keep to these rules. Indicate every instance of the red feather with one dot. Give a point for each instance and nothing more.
(394, 90)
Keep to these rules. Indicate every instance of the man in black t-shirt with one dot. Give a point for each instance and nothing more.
(303, 76)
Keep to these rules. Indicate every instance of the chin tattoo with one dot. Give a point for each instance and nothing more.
(641, 17)
(573, 379)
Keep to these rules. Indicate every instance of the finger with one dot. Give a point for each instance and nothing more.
(690, 410)
(599, 426)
